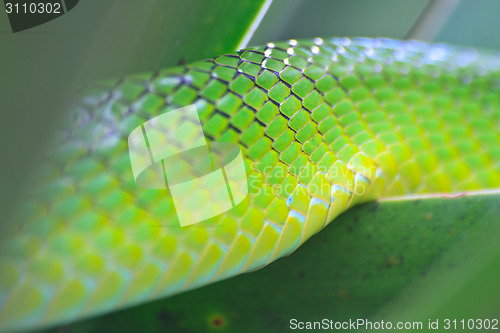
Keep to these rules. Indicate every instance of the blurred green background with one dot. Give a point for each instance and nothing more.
(411, 260)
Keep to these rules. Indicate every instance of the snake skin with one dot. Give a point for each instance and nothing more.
(323, 124)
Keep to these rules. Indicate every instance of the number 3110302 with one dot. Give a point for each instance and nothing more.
(33, 8)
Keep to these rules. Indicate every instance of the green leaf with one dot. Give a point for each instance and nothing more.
(149, 35)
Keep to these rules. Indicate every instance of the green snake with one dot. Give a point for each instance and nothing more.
(323, 125)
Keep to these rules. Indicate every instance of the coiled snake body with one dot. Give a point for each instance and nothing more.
(323, 124)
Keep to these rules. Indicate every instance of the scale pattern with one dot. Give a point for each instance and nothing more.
(323, 125)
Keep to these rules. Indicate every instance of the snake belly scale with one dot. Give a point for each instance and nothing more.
(323, 124)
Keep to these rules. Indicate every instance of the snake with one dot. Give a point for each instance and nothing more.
(323, 124)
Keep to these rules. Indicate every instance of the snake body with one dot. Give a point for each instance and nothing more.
(323, 125)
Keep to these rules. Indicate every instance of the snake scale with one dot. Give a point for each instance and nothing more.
(323, 124)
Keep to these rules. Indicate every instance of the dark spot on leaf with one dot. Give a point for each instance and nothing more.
(217, 321)
(164, 316)
(393, 261)
(344, 294)
(181, 62)
(373, 207)
(63, 329)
